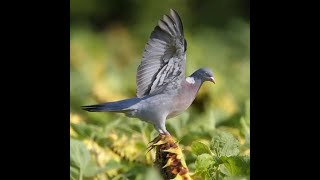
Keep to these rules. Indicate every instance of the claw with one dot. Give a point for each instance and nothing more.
(150, 148)
(157, 141)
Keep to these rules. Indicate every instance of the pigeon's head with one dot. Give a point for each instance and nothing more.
(204, 74)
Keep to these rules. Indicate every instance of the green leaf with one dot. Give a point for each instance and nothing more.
(80, 162)
(224, 144)
(200, 148)
(91, 169)
(153, 174)
(204, 165)
(79, 155)
(245, 127)
(245, 124)
(103, 141)
(224, 170)
(84, 130)
(112, 164)
(74, 173)
(237, 165)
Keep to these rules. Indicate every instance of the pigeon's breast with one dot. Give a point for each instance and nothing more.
(183, 99)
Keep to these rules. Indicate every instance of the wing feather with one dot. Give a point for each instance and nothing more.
(163, 60)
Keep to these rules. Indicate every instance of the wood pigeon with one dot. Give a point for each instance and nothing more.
(163, 90)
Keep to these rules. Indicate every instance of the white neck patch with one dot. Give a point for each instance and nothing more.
(190, 80)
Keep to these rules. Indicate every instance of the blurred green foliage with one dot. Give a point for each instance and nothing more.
(107, 39)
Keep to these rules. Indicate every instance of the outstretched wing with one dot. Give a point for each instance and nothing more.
(163, 61)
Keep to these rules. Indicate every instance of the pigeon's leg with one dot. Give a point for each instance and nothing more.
(166, 133)
(161, 128)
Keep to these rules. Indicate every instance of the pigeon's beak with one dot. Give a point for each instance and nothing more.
(212, 80)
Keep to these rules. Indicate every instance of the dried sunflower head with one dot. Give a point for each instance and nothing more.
(169, 158)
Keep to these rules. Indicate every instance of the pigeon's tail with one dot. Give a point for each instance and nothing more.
(117, 106)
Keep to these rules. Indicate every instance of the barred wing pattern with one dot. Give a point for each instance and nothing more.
(163, 61)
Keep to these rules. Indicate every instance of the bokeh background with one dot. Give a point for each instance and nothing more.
(107, 39)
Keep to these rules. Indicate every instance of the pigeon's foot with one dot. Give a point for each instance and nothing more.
(169, 158)
(155, 141)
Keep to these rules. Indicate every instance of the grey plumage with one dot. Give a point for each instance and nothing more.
(163, 91)
(163, 58)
